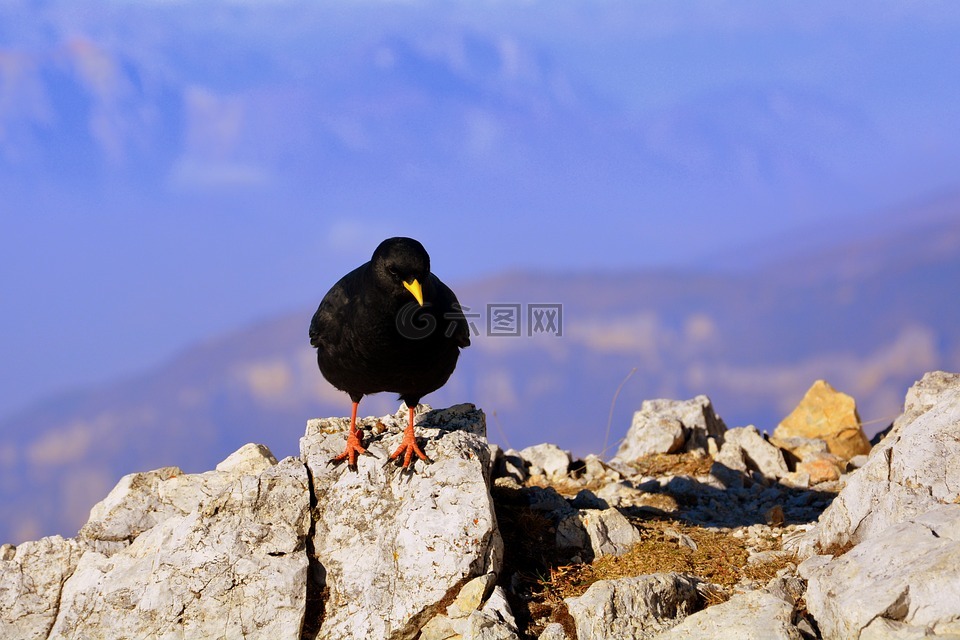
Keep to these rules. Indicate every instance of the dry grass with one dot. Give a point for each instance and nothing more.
(661, 464)
(767, 570)
(538, 578)
(718, 558)
(541, 579)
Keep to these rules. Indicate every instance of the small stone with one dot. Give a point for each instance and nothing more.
(554, 461)
(510, 464)
(774, 516)
(755, 452)
(471, 596)
(597, 470)
(553, 631)
(796, 480)
(586, 499)
(683, 540)
(753, 615)
(822, 467)
(798, 447)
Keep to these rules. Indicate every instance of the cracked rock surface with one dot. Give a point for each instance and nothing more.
(168, 555)
(391, 546)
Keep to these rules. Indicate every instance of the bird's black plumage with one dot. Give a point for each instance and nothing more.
(373, 335)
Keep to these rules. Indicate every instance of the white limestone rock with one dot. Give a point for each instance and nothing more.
(31, 585)
(553, 461)
(233, 567)
(906, 575)
(250, 459)
(494, 621)
(140, 501)
(554, 631)
(390, 546)
(639, 607)
(753, 615)
(914, 469)
(479, 610)
(668, 426)
(605, 531)
(749, 450)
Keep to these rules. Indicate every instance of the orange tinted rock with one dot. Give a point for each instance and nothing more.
(823, 467)
(829, 415)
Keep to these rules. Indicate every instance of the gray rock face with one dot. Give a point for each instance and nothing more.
(209, 555)
(639, 607)
(391, 546)
(667, 426)
(914, 469)
(31, 586)
(234, 567)
(900, 514)
(480, 611)
(228, 553)
(906, 576)
(754, 615)
(745, 449)
(140, 501)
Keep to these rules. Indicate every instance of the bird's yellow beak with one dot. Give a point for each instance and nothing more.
(414, 288)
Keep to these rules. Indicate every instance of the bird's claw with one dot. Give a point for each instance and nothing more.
(408, 448)
(353, 449)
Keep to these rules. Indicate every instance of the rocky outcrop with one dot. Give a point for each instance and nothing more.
(219, 553)
(903, 578)
(882, 561)
(261, 549)
(390, 547)
(751, 615)
(669, 426)
(914, 469)
(31, 584)
(738, 536)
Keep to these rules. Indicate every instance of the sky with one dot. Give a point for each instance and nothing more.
(171, 171)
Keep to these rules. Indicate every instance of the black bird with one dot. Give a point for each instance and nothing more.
(389, 325)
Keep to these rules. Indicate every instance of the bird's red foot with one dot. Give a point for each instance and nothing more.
(408, 447)
(353, 449)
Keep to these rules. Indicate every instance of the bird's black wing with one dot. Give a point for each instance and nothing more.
(451, 313)
(328, 321)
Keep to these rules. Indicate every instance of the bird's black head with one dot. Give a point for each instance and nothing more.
(401, 265)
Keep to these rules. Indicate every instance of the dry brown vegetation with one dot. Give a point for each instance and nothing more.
(538, 578)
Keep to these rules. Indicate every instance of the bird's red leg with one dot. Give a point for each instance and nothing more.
(408, 446)
(354, 445)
